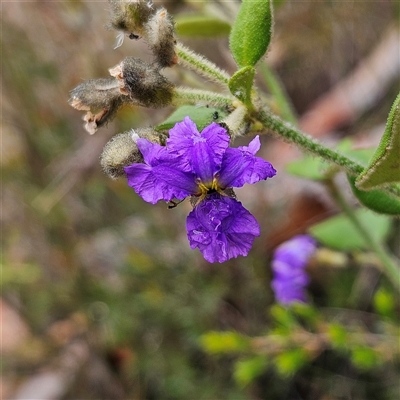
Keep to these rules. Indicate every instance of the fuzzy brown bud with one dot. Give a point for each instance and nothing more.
(101, 98)
(129, 16)
(160, 38)
(95, 94)
(143, 83)
(122, 150)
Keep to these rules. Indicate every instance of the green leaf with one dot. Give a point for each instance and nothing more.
(338, 335)
(291, 361)
(306, 312)
(339, 233)
(223, 342)
(364, 357)
(376, 200)
(283, 316)
(201, 26)
(308, 167)
(249, 369)
(251, 32)
(202, 116)
(384, 168)
(241, 84)
(385, 303)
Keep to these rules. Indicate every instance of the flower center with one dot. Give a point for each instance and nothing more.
(209, 187)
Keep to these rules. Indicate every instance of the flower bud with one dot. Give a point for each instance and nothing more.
(129, 16)
(143, 83)
(160, 38)
(95, 94)
(121, 150)
(101, 98)
(236, 122)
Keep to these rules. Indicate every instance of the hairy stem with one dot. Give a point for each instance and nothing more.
(305, 142)
(201, 65)
(183, 95)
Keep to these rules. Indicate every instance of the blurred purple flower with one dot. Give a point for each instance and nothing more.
(288, 264)
(203, 166)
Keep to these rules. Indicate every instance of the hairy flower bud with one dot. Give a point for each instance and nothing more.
(143, 83)
(160, 38)
(129, 17)
(95, 94)
(236, 122)
(136, 18)
(121, 150)
(101, 98)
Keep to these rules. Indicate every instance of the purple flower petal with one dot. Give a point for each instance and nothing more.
(202, 152)
(287, 294)
(296, 252)
(240, 166)
(286, 272)
(161, 177)
(288, 264)
(221, 228)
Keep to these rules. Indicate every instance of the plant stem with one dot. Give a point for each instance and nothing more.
(389, 265)
(305, 142)
(183, 95)
(201, 65)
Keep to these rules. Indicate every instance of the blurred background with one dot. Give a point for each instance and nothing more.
(102, 297)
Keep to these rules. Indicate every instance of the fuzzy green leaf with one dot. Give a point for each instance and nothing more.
(223, 342)
(339, 233)
(241, 84)
(202, 116)
(376, 200)
(364, 357)
(249, 369)
(337, 334)
(385, 303)
(283, 316)
(251, 32)
(289, 362)
(305, 312)
(201, 26)
(384, 168)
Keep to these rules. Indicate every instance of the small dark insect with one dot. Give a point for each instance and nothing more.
(133, 36)
(215, 115)
(174, 203)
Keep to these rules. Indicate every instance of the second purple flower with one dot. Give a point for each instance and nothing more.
(202, 165)
(288, 265)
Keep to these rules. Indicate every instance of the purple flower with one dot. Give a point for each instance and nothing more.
(202, 165)
(221, 228)
(288, 264)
